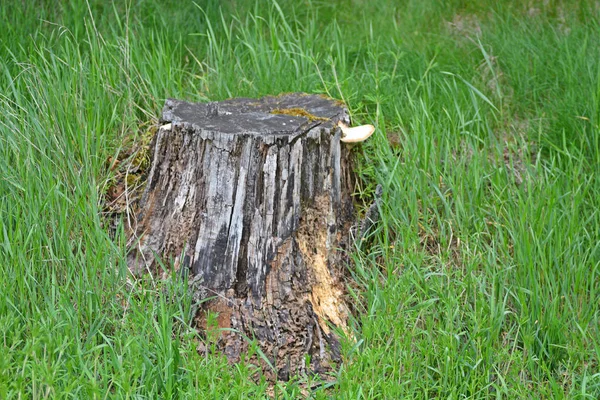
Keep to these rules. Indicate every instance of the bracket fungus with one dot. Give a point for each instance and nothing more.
(355, 134)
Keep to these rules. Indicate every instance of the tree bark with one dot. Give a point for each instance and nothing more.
(253, 199)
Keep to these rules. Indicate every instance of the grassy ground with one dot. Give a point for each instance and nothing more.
(483, 279)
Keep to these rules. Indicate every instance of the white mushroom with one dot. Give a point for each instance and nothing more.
(355, 134)
(166, 127)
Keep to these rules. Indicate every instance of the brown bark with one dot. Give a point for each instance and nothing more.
(253, 198)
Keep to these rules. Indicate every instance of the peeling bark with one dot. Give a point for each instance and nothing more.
(252, 198)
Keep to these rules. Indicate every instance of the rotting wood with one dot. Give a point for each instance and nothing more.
(255, 204)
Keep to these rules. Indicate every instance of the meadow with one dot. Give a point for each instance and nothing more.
(482, 279)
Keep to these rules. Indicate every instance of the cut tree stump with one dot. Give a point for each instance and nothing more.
(252, 198)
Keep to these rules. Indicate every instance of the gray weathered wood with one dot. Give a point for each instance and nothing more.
(252, 197)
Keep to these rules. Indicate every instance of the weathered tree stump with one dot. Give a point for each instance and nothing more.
(253, 198)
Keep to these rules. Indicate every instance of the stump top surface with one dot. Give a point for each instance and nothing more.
(283, 115)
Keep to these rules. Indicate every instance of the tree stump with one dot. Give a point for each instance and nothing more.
(252, 197)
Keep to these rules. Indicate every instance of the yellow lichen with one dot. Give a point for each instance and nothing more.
(298, 112)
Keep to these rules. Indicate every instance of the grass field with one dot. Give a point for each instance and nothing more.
(482, 279)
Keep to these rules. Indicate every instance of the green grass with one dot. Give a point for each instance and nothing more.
(483, 278)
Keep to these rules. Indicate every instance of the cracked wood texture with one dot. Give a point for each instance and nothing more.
(252, 198)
